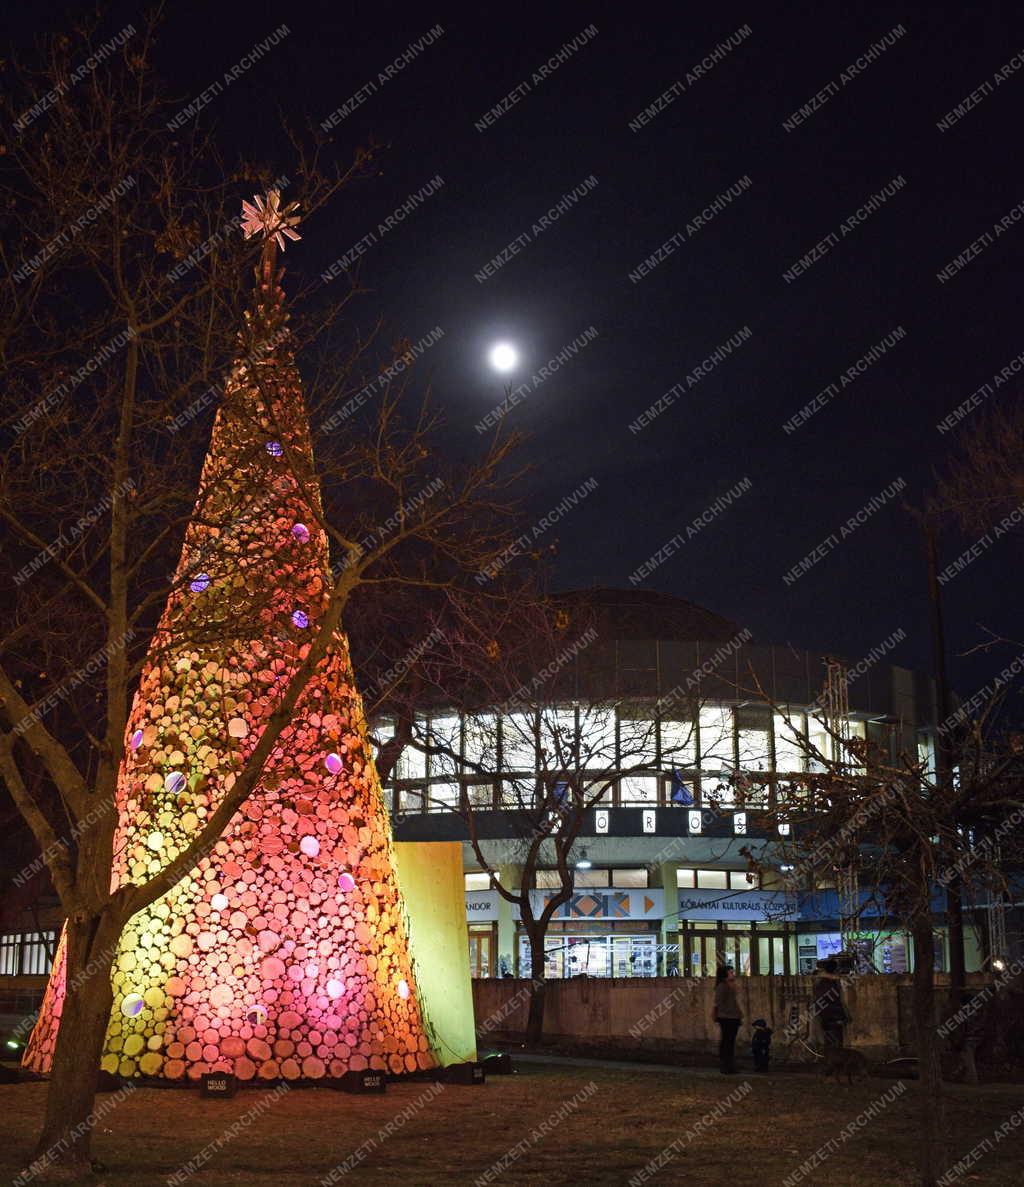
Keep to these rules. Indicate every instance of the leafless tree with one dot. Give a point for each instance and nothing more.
(530, 733)
(120, 311)
(880, 811)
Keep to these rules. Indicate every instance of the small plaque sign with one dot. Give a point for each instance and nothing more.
(218, 1084)
(365, 1081)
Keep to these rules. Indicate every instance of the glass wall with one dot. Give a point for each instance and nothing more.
(728, 756)
(27, 953)
(616, 954)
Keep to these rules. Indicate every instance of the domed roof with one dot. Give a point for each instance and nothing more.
(647, 614)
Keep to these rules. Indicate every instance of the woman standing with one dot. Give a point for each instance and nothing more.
(728, 1015)
(828, 1003)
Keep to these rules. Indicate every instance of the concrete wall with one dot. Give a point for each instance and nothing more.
(672, 1015)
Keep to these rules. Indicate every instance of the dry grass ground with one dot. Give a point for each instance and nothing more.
(456, 1137)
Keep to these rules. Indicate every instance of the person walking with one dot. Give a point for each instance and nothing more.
(828, 1003)
(728, 1015)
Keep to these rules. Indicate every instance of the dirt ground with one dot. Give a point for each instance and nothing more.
(549, 1124)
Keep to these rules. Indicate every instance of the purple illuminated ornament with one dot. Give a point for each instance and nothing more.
(132, 1005)
(174, 782)
(333, 763)
(300, 618)
(300, 532)
(136, 740)
(275, 448)
(310, 846)
(200, 582)
(347, 882)
(403, 989)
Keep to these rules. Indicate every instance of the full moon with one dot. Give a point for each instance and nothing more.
(503, 356)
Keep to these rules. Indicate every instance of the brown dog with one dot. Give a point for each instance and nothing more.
(844, 1061)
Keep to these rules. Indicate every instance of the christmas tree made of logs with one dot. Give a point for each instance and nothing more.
(284, 952)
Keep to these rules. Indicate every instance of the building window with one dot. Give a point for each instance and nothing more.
(926, 754)
(35, 952)
(478, 881)
(631, 879)
(515, 793)
(716, 748)
(639, 790)
(678, 743)
(821, 744)
(481, 742)
(638, 738)
(615, 955)
(410, 799)
(559, 740)
(10, 955)
(857, 732)
(412, 763)
(625, 879)
(518, 742)
(480, 796)
(690, 879)
(597, 739)
(790, 753)
(446, 736)
(443, 797)
(753, 727)
(599, 794)
(27, 953)
(712, 880)
(482, 944)
(382, 730)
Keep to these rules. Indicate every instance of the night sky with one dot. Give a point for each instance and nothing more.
(874, 128)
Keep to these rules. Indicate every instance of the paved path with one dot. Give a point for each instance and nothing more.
(616, 1065)
(712, 1073)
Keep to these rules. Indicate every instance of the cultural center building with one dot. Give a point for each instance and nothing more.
(661, 885)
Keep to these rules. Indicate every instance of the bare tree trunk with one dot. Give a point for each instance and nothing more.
(66, 1138)
(535, 1018)
(933, 1123)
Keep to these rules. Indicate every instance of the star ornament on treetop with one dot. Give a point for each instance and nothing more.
(270, 219)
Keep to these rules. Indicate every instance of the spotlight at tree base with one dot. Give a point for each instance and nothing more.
(503, 356)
